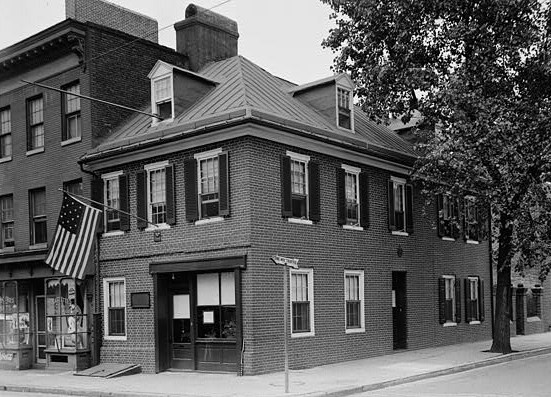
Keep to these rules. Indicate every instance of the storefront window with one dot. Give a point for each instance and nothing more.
(216, 305)
(14, 315)
(66, 322)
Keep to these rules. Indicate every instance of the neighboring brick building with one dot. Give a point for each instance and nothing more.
(42, 135)
(246, 166)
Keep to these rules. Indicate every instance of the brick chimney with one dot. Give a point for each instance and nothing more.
(205, 36)
(113, 16)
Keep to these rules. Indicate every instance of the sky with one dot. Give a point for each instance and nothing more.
(281, 36)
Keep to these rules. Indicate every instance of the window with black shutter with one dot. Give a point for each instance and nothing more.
(449, 304)
(300, 188)
(155, 195)
(400, 206)
(447, 216)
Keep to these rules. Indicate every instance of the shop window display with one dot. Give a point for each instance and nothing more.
(14, 315)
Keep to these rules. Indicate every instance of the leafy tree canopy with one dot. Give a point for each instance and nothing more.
(479, 72)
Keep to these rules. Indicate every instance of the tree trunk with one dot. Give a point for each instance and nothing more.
(502, 318)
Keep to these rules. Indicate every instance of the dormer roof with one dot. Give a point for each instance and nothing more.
(162, 68)
(341, 79)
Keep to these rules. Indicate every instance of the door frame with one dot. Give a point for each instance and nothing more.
(399, 310)
(37, 359)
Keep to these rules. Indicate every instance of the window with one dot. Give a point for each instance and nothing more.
(35, 122)
(207, 186)
(533, 302)
(448, 216)
(400, 206)
(474, 299)
(15, 322)
(5, 134)
(216, 313)
(111, 194)
(450, 305)
(344, 108)
(73, 187)
(37, 210)
(162, 97)
(472, 225)
(114, 308)
(302, 302)
(300, 188)
(6, 222)
(352, 197)
(354, 300)
(72, 127)
(155, 190)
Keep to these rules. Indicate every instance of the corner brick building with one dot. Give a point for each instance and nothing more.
(43, 133)
(243, 166)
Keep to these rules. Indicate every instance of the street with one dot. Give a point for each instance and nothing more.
(527, 377)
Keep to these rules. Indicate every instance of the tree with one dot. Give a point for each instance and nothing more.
(479, 72)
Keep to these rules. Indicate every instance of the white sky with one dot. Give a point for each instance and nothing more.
(282, 36)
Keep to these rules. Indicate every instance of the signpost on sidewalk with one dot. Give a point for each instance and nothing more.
(286, 263)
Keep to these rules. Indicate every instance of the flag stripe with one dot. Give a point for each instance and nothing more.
(74, 237)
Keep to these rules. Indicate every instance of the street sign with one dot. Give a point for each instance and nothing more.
(281, 260)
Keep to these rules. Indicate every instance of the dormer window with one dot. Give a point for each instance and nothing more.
(162, 97)
(344, 108)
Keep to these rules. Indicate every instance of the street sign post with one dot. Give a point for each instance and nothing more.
(286, 263)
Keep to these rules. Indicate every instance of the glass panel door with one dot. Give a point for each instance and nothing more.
(40, 329)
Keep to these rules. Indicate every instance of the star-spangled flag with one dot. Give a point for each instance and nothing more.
(74, 237)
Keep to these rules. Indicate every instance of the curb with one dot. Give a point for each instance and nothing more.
(330, 393)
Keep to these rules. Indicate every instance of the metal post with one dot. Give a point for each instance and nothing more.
(285, 325)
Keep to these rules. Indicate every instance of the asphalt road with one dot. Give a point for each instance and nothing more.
(530, 377)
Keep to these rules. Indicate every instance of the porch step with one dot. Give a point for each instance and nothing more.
(110, 370)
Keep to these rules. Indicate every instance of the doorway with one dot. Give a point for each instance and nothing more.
(40, 317)
(399, 310)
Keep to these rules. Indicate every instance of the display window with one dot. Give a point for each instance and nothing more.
(14, 315)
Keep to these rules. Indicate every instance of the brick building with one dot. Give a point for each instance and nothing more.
(245, 166)
(43, 133)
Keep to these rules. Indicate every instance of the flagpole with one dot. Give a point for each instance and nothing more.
(106, 206)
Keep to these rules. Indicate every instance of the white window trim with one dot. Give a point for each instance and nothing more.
(400, 233)
(350, 103)
(361, 294)
(298, 157)
(356, 171)
(71, 140)
(205, 221)
(148, 168)
(113, 233)
(38, 246)
(451, 323)
(310, 273)
(7, 249)
(352, 227)
(106, 335)
(5, 159)
(207, 155)
(475, 322)
(445, 238)
(35, 151)
(305, 159)
(155, 120)
(473, 242)
(300, 221)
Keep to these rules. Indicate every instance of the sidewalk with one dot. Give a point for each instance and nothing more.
(329, 380)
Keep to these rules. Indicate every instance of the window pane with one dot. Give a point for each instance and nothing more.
(5, 145)
(298, 177)
(157, 204)
(163, 89)
(72, 102)
(5, 121)
(208, 289)
(227, 281)
(301, 317)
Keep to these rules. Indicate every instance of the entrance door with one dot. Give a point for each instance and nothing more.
(399, 312)
(181, 347)
(40, 321)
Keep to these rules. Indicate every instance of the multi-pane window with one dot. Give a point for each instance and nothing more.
(400, 205)
(344, 108)
(448, 216)
(111, 194)
(35, 121)
(73, 187)
(114, 291)
(299, 188)
(162, 93)
(71, 107)
(449, 298)
(156, 194)
(353, 295)
(302, 308)
(472, 227)
(37, 210)
(5, 133)
(352, 198)
(472, 299)
(208, 187)
(6, 222)
(216, 311)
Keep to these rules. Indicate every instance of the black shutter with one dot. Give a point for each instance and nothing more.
(442, 300)
(28, 110)
(440, 214)
(457, 300)
(464, 218)
(286, 195)
(478, 223)
(481, 299)
(467, 287)
(341, 196)
(455, 226)
(141, 198)
(314, 191)
(124, 203)
(409, 208)
(364, 200)
(391, 217)
(170, 195)
(190, 181)
(97, 195)
(224, 184)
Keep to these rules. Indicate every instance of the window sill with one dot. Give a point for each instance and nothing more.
(38, 246)
(206, 221)
(475, 322)
(113, 233)
(447, 238)
(300, 221)
(533, 319)
(70, 141)
(398, 233)
(35, 151)
(472, 242)
(6, 250)
(450, 324)
(5, 159)
(160, 226)
(115, 338)
(302, 334)
(355, 330)
(352, 227)
(157, 121)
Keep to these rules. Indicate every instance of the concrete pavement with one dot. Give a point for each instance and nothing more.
(328, 380)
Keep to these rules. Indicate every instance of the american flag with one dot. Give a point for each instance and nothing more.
(74, 237)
